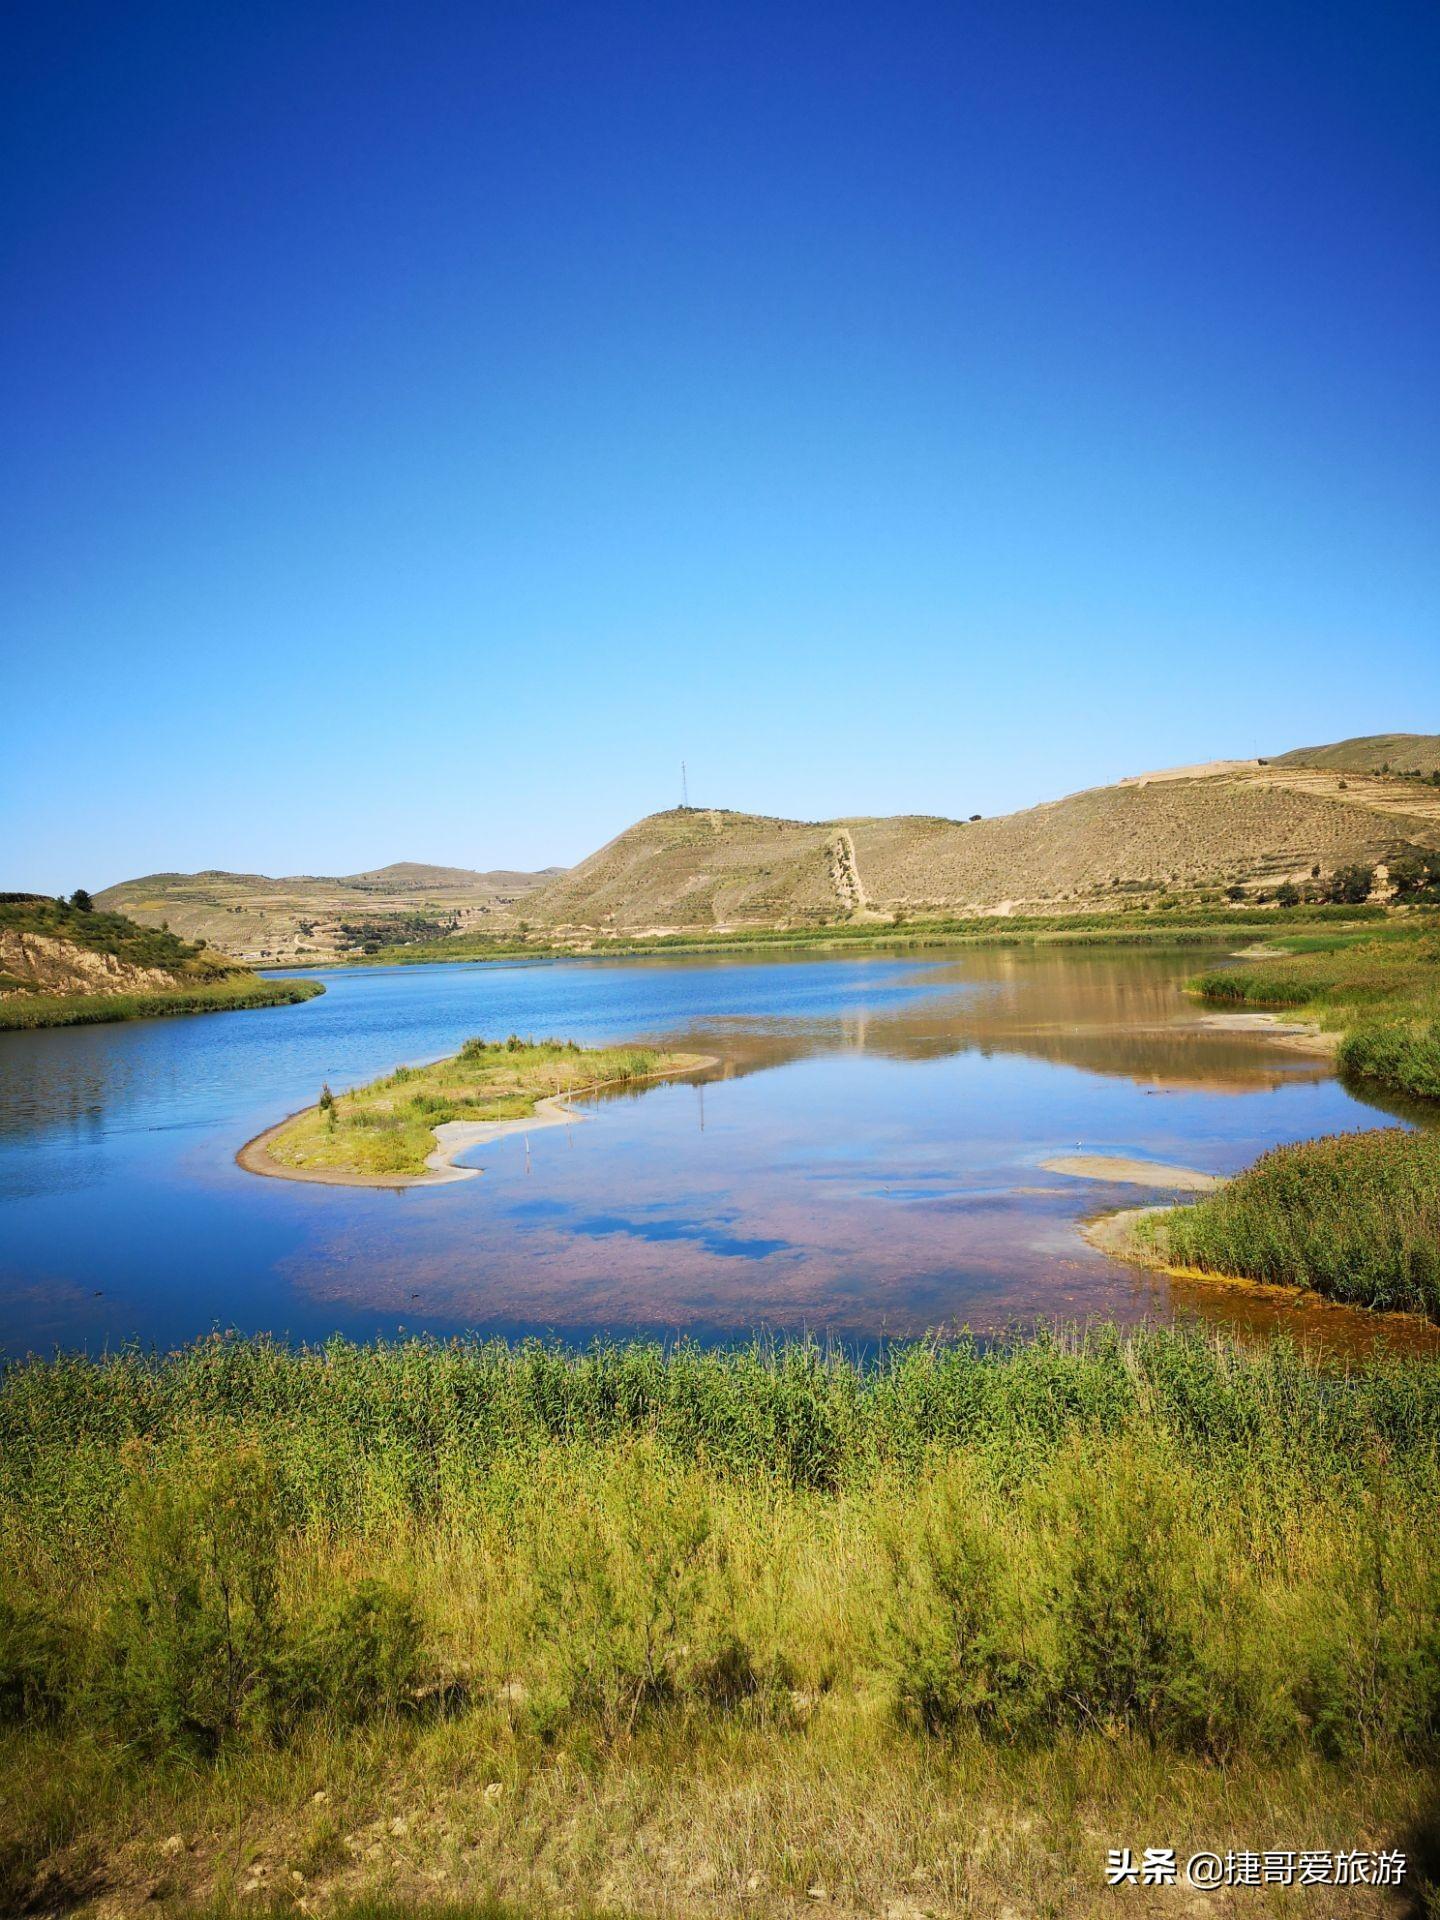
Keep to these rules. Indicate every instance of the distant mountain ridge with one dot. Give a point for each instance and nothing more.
(317, 916)
(1223, 824)
(1401, 753)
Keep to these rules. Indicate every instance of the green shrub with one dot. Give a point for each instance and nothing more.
(194, 1645)
(953, 1631)
(190, 1628)
(1134, 1600)
(357, 1655)
(628, 1605)
(1369, 1668)
(36, 1661)
(1351, 886)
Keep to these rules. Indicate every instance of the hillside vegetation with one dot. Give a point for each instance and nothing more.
(63, 964)
(680, 1632)
(118, 942)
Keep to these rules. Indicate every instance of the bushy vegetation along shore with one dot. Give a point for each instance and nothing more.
(508, 1592)
(1383, 993)
(1146, 923)
(388, 1126)
(93, 1009)
(153, 972)
(1355, 1217)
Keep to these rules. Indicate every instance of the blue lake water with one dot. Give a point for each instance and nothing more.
(863, 1160)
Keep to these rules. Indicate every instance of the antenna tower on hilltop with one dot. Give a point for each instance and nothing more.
(684, 788)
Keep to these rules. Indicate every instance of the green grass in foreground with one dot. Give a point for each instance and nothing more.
(389, 1125)
(655, 1630)
(89, 1009)
(1355, 1217)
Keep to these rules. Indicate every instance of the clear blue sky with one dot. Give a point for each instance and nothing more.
(424, 424)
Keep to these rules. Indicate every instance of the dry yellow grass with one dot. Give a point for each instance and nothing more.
(844, 1818)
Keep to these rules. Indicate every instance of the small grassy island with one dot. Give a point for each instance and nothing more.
(387, 1133)
(65, 964)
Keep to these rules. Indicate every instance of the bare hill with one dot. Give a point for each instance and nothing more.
(314, 916)
(1230, 823)
(1413, 753)
(409, 874)
(697, 867)
(1181, 830)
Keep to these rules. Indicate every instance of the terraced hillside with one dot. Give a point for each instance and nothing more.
(1253, 824)
(314, 917)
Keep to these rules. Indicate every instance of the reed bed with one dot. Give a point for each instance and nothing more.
(1354, 1216)
(1383, 993)
(19, 1012)
(242, 1571)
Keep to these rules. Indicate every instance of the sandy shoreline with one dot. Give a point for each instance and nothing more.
(1132, 1172)
(453, 1137)
(1302, 1036)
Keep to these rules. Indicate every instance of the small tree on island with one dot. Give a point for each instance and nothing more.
(327, 1104)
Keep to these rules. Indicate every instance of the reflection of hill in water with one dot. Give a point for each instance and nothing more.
(1122, 1014)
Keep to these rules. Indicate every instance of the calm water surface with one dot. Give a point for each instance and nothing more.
(863, 1160)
